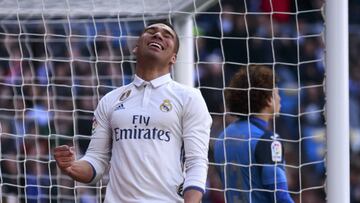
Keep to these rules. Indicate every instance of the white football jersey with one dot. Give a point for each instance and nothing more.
(143, 130)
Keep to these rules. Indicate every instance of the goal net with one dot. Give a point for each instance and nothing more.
(58, 58)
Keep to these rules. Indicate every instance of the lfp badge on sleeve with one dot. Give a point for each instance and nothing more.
(276, 151)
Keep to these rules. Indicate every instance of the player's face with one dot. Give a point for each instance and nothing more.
(158, 40)
(276, 101)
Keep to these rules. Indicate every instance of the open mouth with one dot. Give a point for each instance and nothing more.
(157, 45)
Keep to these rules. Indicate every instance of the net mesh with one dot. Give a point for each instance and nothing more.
(128, 8)
(58, 58)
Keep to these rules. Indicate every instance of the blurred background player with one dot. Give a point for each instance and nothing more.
(251, 151)
(146, 131)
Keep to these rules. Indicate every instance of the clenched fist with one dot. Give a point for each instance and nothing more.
(79, 170)
(65, 157)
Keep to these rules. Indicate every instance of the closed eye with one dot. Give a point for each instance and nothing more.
(168, 35)
(150, 30)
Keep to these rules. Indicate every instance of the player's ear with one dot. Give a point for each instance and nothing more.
(270, 101)
(134, 51)
(173, 59)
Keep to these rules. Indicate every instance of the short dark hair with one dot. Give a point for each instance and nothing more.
(167, 23)
(262, 83)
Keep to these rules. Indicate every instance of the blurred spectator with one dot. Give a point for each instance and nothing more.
(354, 15)
(279, 9)
(354, 86)
(211, 82)
(355, 178)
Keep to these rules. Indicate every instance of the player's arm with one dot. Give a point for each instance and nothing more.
(91, 167)
(192, 196)
(196, 134)
(80, 170)
(98, 152)
(282, 196)
(270, 153)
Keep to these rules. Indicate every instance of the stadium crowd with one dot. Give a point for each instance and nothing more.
(49, 90)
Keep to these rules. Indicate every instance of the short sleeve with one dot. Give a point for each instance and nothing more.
(269, 152)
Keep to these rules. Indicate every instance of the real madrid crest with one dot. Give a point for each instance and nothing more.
(125, 95)
(166, 106)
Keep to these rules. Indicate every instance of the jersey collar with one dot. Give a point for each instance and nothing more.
(157, 82)
(259, 122)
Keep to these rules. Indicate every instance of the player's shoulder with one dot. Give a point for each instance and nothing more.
(184, 90)
(238, 128)
(269, 149)
(256, 131)
(243, 128)
(116, 93)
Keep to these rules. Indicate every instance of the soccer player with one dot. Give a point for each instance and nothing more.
(154, 132)
(250, 154)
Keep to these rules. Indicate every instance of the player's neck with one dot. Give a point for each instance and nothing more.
(264, 116)
(150, 73)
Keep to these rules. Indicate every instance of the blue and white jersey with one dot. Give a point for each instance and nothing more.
(251, 162)
(142, 131)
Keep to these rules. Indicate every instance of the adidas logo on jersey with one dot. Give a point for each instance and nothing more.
(119, 107)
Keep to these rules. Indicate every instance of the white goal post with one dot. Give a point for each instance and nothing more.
(337, 103)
